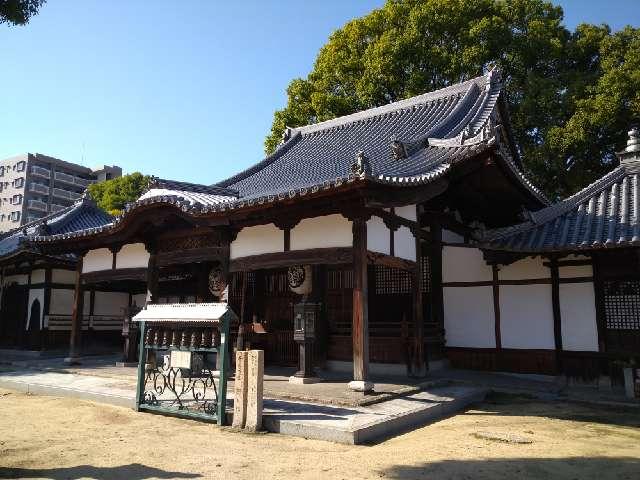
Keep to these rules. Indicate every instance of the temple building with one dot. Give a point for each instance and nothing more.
(404, 225)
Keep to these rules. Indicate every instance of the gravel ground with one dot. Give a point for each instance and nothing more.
(505, 437)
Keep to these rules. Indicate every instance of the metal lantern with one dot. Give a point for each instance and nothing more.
(305, 316)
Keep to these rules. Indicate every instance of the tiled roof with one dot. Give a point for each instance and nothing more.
(605, 214)
(431, 127)
(82, 215)
(405, 143)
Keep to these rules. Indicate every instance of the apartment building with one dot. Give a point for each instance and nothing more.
(33, 185)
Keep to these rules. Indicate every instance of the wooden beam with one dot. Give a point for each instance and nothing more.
(557, 318)
(360, 314)
(114, 275)
(376, 258)
(314, 256)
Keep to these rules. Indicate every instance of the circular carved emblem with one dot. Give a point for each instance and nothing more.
(216, 281)
(296, 276)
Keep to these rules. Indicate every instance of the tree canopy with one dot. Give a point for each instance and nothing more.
(18, 12)
(113, 195)
(571, 95)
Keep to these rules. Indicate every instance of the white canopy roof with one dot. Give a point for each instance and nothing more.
(186, 312)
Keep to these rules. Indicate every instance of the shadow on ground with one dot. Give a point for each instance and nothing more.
(133, 471)
(583, 468)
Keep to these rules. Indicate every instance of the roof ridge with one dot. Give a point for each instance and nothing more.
(399, 105)
(216, 189)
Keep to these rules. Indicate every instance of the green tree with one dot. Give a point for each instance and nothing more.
(19, 12)
(113, 195)
(409, 47)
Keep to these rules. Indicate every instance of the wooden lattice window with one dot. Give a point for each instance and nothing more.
(390, 281)
(277, 282)
(340, 279)
(622, 304)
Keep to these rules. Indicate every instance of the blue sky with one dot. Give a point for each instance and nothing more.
(183, 90)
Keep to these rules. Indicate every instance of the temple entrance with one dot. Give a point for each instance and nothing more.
(13, 316)
(34, 340)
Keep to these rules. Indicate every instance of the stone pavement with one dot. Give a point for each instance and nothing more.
(340, 418)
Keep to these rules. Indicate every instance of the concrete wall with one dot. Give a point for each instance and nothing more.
(133, 255)
(322, 232)
(258, 240)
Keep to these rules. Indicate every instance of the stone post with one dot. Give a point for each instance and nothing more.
(240, 391)
(255, 370)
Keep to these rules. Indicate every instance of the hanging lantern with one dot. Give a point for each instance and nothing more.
(216, 281)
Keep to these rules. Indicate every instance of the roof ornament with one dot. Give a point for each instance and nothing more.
(632, 152)
(494, 75)
(286, 135)
(361, 166)
(525, 215)
(398, 149)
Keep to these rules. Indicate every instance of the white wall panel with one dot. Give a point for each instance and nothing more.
(572, 271)
(578, 313)
(61, 302)
(526, 316)
(469, 319)
(408, 212)
(404, 244)
(16, 279)
(96, 260)
(110, 303)
(378, 236)
(63, 276)
(37, 276)
(258, 240)
(462, 264)
(525, 269)
(322, 232)
(133, 255)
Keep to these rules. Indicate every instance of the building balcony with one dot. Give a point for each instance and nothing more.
(54, 207)
(40, 172)
(37, 205)
(72, 179)
(39, 188)
(66, 194)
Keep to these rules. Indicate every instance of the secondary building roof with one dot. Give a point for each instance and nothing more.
(605, 214)
(82, 215)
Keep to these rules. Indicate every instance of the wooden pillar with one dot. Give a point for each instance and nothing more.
(76, 315)
(557, 318)
(360, 318)
(152, 277)
(435, 264)
(420, 366)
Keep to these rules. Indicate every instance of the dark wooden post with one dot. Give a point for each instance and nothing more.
(419, 364)
(76, 315)
(152, 276)
(557, 318)
(360, 319)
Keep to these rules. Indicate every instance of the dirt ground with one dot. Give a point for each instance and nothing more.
(59, 438)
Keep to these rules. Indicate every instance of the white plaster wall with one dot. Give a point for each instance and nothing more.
(525, 269)
(322, 232)
(404, 244)
(37, 276)
(462, 264)
(133, 255)
(139, 299)
(61, 302)
(95, 260)
(110, 303)
(35, 293)
(63, 276)
(572, 271)
(19, 279)
(578, 313)
(451, 237)
(257, 240)
(469, 319)
(526, 316)
(408, 212)
(378, 236)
